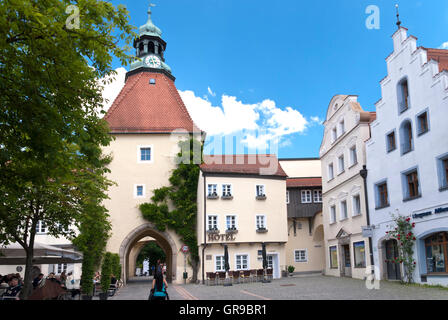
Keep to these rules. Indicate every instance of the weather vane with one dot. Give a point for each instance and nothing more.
(398, 17)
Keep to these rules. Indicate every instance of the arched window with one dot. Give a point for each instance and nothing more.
(151, 47)
(141, 48)
(406, 137)
(160, 50)
(436, 247)
(403, 95)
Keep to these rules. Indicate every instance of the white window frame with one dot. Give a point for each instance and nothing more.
(317, 196)
(59, 268)
(341, 164)
(136, 196)
(306, 196)
(287, 197)
(139, 155)
(355, 214)
(353, 156)
(341, 127)
(305, 260)
(263, 189)
(342, 211)
(333, 214)
(237, 255)
(330, 171)
(39, 228)
(221, 265)
(264, 222)
(209, 216)
(234, 221)
(226, 185)
(214, 189)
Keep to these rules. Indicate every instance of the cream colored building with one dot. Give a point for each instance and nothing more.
(344, 211)
(241, 203)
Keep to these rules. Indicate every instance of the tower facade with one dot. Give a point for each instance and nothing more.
(147, 120)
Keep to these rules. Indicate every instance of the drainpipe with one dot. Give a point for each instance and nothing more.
(205, 229)
(363, 174)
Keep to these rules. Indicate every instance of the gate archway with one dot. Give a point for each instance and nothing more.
(163, 239)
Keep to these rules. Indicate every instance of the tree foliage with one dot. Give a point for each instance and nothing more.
(182, 193)
(51, 135)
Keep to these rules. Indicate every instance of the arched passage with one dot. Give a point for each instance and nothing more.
(163, 239)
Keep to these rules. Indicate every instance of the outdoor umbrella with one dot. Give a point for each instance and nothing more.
(226, 261)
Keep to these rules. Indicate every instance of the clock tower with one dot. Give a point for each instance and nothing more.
(150, 49)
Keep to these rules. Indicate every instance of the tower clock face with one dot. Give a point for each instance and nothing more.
(153, 61)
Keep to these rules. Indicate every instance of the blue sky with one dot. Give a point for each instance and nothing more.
(282, 60)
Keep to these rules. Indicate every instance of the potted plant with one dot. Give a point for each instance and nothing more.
(106, 272)
(291, 270)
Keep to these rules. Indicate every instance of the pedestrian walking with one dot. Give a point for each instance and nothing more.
(159, 287)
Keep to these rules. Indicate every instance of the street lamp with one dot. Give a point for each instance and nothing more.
(364, 172)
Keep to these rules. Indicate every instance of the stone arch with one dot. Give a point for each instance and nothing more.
(163, 239)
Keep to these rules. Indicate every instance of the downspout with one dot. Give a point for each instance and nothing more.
(363, 174)
(205, 229)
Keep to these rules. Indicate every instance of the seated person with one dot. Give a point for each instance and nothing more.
(38, 280)
(13, 289)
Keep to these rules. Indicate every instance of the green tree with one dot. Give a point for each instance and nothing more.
(51, 134)
(182, 192)
(152, 252)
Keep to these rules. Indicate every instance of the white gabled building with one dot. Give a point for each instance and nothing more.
(407, 158)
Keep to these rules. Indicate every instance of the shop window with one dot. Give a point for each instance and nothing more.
(437, 253)
(334, 257)
(360, 254)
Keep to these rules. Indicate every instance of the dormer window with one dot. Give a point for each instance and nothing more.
(403, 95)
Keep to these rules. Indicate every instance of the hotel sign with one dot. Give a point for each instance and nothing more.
(429, 213)
(228, 237)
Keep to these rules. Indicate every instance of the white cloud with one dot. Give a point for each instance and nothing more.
(444, 45)
(113, 88)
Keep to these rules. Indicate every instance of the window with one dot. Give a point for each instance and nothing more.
(356, 205)
(436, 247)
(227, 190)
(59, 268)
(391, 142)
(260, 191)
(41, 227)
(412, 189)
(341, 127)
(287, 197)
(231, 222)
(242, 262)
(145, 154)
(407, 143)
(318, 196)
(382, 197)
(219, 264)
(403, 96)
(334, 134)
(344, 210)
(359, 249)
(151, 47)
(261, 222)
(212, 190)
(341, 164)
(353, 156)
(139, 191)
(330, 172)
(422, 123)
(333, 214)
(300, 256)
(445, 173)
(212, 223)
(333, 257)
(306, 196)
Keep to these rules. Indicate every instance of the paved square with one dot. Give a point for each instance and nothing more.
(294, 288)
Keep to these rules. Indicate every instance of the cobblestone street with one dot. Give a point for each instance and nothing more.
(296, 288)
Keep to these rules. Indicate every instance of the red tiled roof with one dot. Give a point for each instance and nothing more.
(263, 165)
(439, 55)
(142, 107)
(303, 182)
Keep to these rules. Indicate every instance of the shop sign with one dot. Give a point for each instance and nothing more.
(429, 213)
(221, 237)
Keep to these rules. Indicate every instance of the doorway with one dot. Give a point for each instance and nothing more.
(274, 265)
(347, 263)
(393, 269)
